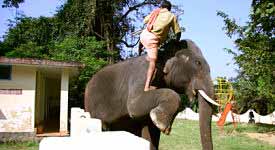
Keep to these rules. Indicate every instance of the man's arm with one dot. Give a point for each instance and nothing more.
(178, 35)
(176, 28)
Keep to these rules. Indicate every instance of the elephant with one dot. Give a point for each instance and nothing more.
(115, 93)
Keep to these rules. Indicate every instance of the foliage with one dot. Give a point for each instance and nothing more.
(76, 17)
(255, 57)
(112, 21)
(28, 50)
(12, 3)
(108, 20)
(31, 33)
(3, 48)
(85, 50)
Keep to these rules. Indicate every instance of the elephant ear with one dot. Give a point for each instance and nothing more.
(183, 44)
(168, 65)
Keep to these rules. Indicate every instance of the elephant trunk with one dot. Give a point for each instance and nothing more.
(205, 114)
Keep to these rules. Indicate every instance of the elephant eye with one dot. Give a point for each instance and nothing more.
(198, 62)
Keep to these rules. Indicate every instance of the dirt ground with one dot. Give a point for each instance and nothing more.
(267, 137)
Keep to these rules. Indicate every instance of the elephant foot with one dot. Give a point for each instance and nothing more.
(161, 121)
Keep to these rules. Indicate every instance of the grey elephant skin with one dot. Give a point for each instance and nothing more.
(115, 93)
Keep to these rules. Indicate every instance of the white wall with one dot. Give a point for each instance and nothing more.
(189, 114)
(18, 109)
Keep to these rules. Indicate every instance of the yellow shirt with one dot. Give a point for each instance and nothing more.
(163, 22)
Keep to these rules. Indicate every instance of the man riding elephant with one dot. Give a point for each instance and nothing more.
(159, 23)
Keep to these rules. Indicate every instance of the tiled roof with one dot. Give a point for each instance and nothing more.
(43, 62)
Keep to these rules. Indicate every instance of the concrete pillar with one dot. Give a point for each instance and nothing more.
(64, 95)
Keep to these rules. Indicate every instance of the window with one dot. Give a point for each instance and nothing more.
(5, 72)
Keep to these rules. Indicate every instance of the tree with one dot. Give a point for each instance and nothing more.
(108, 20)
(11, 3)
(255, 56)
(28, 33)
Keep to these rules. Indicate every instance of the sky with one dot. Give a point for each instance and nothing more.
(202, 26)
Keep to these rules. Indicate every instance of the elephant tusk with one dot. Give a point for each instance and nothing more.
(206, 97)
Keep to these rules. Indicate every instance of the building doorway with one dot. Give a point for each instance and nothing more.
(47, 102)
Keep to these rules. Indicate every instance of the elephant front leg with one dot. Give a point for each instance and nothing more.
(161, 104)
(151, 133)
(162, 120)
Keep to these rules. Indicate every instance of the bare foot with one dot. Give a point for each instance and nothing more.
(150, 88)
(159, 120)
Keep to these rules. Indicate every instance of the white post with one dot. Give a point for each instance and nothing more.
(64, 95)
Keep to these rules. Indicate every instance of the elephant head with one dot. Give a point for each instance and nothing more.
(186, 71)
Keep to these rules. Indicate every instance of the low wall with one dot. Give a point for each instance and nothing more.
(86, 134)
(116, 140)
(82, 124)
(189, 114)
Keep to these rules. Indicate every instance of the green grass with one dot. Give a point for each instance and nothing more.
(19, 146)
(185, 136)
(259, 128)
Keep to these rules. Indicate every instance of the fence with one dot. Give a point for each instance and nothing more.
(244, 118)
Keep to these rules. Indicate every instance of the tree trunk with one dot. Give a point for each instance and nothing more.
(103, 27)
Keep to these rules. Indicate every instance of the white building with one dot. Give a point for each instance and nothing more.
(34, 96)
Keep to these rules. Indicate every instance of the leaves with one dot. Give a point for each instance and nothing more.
(255, 56)
(11, 3)
(87, 50)
(28, 50)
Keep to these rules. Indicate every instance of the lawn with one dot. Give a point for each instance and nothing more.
(19, 146)
(185, 136)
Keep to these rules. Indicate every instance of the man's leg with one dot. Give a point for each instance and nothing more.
(151, 70)
(152, 58)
